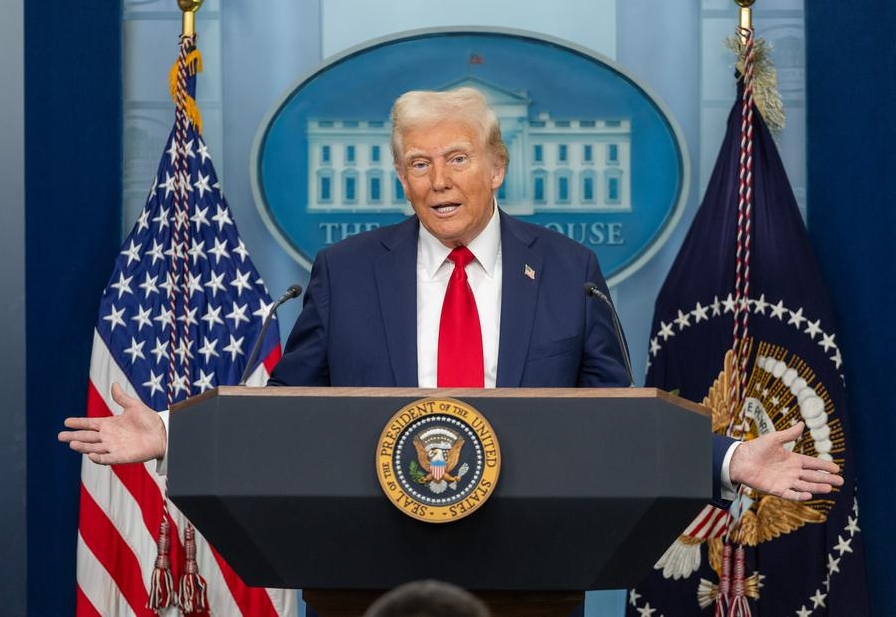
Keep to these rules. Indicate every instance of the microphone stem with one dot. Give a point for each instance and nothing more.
(257, 348)
(592, 290)
(291, 293)
(622, 347)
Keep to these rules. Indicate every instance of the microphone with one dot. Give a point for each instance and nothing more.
(591, 290)
(293, 291)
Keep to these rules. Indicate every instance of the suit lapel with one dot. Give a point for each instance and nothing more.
(519, 293)
(396, 283)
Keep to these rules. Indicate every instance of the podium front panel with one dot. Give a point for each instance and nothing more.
(594, 485)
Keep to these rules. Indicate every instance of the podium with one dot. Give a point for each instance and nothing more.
(594, 485)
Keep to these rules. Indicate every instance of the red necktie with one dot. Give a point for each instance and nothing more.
(460, 335)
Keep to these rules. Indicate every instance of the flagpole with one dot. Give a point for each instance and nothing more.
(190, 594)
(746, 17)
(189, 8)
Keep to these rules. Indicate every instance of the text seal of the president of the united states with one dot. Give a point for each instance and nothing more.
(438, 460)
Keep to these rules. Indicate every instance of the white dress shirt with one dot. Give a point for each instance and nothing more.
(484, 274)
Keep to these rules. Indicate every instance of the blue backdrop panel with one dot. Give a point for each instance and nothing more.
(851, 93)
(72, 229)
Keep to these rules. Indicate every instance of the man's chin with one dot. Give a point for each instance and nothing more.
(447, 234)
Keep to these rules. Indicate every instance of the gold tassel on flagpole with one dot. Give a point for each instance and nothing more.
(765, 77)
(193, 63)
(765, 81)
(191, 109)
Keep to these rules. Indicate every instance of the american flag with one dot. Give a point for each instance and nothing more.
(181, 312)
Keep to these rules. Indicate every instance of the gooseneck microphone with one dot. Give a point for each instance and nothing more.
(591, 290)
(293, 291)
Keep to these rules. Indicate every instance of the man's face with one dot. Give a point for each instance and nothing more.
(450, 179)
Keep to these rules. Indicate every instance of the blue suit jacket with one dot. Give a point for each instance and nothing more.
(358, 326)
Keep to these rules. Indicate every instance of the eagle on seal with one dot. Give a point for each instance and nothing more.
(436, 462)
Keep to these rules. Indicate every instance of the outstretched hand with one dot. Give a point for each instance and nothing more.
(134, 436)
(766, 465)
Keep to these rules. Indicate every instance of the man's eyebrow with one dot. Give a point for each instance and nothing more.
(461, 146)
(415, 154)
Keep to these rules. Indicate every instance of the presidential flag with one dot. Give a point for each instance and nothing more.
(181, 312)
(755, 263)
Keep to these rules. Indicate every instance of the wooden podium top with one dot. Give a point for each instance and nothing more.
(633, 393)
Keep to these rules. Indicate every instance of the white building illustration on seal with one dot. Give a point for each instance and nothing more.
(556, 164)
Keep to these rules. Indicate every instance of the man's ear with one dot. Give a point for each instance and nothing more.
(399, 171)
(498, 173)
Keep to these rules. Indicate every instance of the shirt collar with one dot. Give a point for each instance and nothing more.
(431, 253)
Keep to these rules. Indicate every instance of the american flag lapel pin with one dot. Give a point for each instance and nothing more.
(529, 272)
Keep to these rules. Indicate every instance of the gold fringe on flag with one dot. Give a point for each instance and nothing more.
(765, 80)
(191, 109)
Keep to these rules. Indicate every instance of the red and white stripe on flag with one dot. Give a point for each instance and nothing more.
(121, 507)
(710, 523)
(120, 511)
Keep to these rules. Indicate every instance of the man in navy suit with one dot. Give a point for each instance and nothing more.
(360, 324)
(372, 310)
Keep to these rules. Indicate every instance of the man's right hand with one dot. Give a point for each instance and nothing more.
(134, 436)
